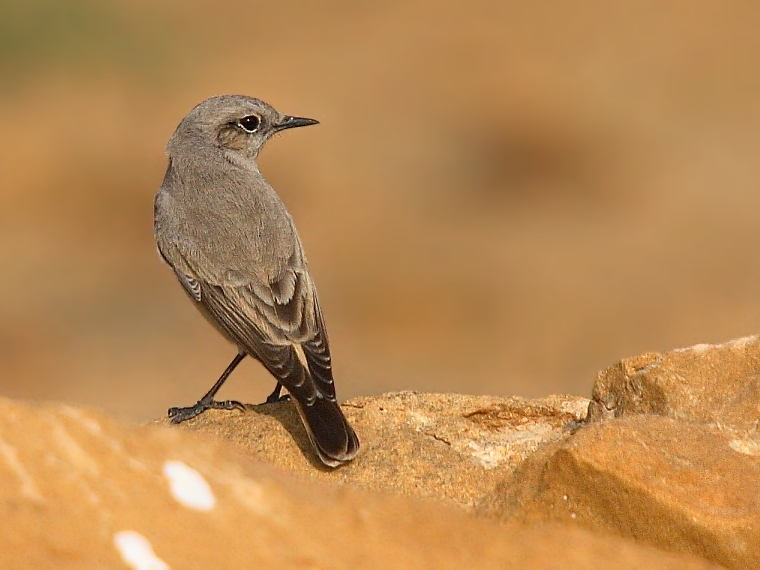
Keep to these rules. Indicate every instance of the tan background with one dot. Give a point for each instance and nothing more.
(502, 198)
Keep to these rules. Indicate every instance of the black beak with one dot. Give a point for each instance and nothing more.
(289, 122)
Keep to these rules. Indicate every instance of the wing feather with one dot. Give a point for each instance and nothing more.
(271, 332)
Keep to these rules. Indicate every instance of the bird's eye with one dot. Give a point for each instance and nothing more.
(250, 123)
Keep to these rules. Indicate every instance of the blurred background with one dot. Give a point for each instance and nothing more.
(503, 197)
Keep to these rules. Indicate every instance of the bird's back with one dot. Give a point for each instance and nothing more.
(230, 226)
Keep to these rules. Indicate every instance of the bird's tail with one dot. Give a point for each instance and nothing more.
(330, 433)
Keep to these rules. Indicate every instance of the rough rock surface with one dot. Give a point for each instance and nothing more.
(673, 484)
(80, 491)
(716, 384)
(663, 473)
(444, 446)
(670, 456)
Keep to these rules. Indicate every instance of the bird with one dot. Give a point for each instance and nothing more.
(234, 248)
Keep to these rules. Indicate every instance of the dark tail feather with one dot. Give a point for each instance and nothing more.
(333, 439)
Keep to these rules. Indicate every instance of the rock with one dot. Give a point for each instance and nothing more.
(79, 491)
(677, 485)
(713, 384)
(444, 446)
(670, 456)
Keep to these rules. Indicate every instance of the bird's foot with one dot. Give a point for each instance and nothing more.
(179, 415)
(272, 399)
(275, 397)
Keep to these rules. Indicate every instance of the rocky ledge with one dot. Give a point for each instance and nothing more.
(660, 469)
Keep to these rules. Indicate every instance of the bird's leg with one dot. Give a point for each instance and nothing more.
(275, 397)
(179, 415)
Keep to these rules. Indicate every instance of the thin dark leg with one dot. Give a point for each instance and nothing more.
(275, 397)
(179, 415)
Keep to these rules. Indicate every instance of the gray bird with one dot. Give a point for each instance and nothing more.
(234, 248)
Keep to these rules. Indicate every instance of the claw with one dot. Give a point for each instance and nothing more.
(179, 415)
(231, 405)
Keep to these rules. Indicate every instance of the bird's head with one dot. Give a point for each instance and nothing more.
(235, 125)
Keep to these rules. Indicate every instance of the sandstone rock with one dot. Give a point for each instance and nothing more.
(78, 491)
(674, 484)
(713, 384)
(444, 446)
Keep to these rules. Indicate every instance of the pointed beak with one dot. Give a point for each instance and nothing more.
(289, 122)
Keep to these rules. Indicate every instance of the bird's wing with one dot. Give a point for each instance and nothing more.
(280, 323)
(282, 326)
(277, 320)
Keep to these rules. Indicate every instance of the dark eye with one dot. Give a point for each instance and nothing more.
(249, 123)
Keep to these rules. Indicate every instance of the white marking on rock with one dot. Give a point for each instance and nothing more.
(525, 439)
(577, 408)
(188, 486)
(421, 420)
(488, 455)
(137, 551)
(95, 429)
(29, 488)
(743, 342)
(737, 343)
(745, 446)
(89, 423)
(251, 495)
(74, 453)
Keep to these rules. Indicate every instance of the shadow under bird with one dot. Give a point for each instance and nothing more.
(234, 248)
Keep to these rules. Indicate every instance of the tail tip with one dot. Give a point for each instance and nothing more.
(333, 459)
